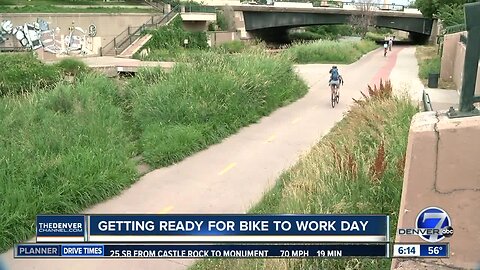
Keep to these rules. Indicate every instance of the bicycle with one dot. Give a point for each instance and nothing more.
(335, 97)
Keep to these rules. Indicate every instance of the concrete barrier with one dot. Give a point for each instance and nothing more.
(442, 170)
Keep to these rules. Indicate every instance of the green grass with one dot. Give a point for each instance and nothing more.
(235, 46)
(430, 63)
(428, 60)
(326, 51)
(60, 151)
(22, 72)
(356, 169)
(200, 103)
(72, 66)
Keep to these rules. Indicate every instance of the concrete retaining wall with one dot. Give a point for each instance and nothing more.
(453, 60)
(108, 25)
(442, 170)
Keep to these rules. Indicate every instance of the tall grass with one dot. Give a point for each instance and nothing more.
(72, 66)
(22, 72)
(327, 51)
(70, 147)
(60, 151)
(200, 103)
(356, 168)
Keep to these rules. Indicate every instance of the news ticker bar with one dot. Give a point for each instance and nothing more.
(193, 228)
(229, 251)
(198, 251)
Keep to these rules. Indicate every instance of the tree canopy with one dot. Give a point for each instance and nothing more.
(429, 8)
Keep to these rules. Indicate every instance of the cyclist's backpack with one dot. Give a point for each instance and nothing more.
(334, 74)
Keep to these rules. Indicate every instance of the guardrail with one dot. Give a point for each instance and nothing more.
(427, 104)
(200, 9)
(334, 4)
(125, 38)
(454, 29)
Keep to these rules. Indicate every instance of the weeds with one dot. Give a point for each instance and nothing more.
(202, 102)
(22, 72)
(326, 51)
(60, 151)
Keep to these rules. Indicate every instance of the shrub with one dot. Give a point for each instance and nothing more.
(234, 46)
(172, 36)
(330, 51)
(22, 72)
(72, 66)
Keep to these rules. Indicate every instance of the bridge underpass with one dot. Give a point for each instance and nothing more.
(272, 23)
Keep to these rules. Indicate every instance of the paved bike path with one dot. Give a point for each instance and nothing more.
(233, 175)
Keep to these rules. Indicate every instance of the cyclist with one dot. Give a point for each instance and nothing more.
(385, 48)
(335, 79)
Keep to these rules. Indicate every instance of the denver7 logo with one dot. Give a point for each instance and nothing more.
(436, 219)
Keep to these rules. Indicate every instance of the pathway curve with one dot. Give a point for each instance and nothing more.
(231, 176)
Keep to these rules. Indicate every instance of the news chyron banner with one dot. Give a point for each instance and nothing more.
(213, 228)
(194, 236)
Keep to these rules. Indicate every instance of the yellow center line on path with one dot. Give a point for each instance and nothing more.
(271, 138)
(228, 168)
(166, 210)
(296, 120)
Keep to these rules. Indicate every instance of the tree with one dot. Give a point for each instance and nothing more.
(429, 8)
(364, 18)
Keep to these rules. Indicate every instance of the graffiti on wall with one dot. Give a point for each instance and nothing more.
(38, 35)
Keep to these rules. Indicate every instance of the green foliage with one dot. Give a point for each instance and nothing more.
(235, 46)
(430, 66)
(429, 8)
(222, 22)
(451, 15)
(374, 36)
(22, 72)
(172, 36)
(330, 51)
(72, 66)
(331, 31)
(199, 103)
(60, 152)
(307, 35)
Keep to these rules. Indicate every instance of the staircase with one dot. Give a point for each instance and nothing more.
(132, 39)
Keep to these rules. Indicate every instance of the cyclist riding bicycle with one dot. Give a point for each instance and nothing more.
(335, 77)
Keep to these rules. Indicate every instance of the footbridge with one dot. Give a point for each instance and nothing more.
(271, 21)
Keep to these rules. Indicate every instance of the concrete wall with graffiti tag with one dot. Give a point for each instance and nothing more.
(92, 29)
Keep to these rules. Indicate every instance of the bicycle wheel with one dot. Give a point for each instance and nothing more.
(334, 98)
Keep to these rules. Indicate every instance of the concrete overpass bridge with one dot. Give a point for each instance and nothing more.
(272, 22)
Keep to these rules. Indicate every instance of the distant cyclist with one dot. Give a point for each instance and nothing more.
(385, 48)
(335, 78)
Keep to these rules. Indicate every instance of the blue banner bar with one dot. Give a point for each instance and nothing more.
(61, 226)
(238, 225)
(200, 251)
(434, 250)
